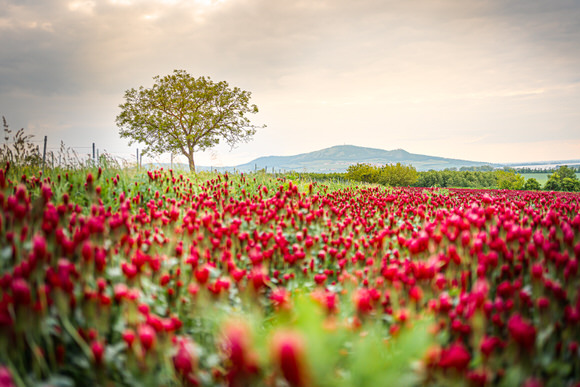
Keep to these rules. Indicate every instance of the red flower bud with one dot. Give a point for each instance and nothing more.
(289, 357)
(259, 278)
(6, 377)
(543, 303)
(129, 270)
(98, 349)
(236, 347)
(488, 344)
(120, 290)
(319, 278)
(128, 337)
(143, 309)
(456, 356)
(537, 271)
(523, 332)
(185, 359)
(164, 279)
(280, 298)
(20, 291)
(416, 293)
(39, 247)
(147, 336)
(362, 301)
(202, 274)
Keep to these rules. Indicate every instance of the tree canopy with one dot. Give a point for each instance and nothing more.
(398, 175)
(532, 184)
(392, 175)
(183, 114)
(509, 179)
(363, 172)
(563, 179)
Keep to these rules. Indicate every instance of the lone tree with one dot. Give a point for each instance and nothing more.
(183, 114)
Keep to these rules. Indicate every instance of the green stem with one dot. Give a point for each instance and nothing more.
(15, 376)
(39, 359)
(76, 337)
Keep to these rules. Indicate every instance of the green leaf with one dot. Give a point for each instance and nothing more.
(6, 254)
(58, 381)
(112, 352)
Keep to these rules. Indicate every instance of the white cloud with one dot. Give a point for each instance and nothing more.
(85, 6)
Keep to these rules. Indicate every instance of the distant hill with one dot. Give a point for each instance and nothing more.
(338, 158)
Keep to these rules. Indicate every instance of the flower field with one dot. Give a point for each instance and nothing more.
(161, 279)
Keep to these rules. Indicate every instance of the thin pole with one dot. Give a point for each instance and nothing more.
(137, 158)
(44, 154)
(93, 152)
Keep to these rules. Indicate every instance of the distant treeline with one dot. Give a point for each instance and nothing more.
(561, 179)
(576, 169)
(530, 169)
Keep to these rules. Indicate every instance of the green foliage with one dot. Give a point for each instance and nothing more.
(533, 170)
(570, 185)
(184, 114)
(566, 172)
(563, 179)
(509, 179)
(397, 175)
(532, 184)
(340, 356)
(479, 168)
(362, 172)
(460, 179)
(346, 347)
(376, 364)
(553, 183)
(323, 177)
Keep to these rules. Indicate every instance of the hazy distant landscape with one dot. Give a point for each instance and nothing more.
(337, 159)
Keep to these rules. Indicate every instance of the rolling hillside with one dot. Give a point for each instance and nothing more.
(338, 158)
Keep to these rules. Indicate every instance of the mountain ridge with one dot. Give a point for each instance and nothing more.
(337, 159)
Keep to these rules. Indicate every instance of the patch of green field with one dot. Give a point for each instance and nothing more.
(542, 178)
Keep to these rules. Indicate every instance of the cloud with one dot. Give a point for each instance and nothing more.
(315, 67)
(265, 41)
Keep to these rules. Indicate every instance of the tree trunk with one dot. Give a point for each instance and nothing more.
(191, 162)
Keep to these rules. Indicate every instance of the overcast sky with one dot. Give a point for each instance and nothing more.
(485, 80)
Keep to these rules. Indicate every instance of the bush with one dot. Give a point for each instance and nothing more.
(509, 179)
(563, 179)
(532, 185)
(365, 173)
(398, 175)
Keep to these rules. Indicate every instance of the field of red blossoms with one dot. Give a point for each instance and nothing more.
(161, 279)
